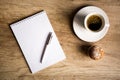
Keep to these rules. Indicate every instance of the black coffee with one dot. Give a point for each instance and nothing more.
(94, 23)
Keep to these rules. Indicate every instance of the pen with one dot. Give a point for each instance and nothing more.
(49, 37)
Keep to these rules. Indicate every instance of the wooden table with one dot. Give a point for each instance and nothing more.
(77, 66)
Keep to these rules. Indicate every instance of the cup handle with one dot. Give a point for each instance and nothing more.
(107, 25)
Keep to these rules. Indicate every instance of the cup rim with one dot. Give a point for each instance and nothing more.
(90, 14)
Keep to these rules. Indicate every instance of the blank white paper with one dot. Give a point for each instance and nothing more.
(31, 34)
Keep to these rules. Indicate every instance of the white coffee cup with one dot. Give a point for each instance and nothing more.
(81, 24)
(94, 22)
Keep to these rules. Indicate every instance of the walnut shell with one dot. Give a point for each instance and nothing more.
(95, 52)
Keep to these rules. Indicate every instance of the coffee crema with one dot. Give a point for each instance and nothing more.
(94, 23)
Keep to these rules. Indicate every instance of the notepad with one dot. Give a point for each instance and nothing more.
(31, 34)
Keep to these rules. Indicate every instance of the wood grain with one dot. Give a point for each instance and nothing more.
(77, 66)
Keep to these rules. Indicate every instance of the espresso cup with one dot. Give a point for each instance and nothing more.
(94, 22)
(91, 23)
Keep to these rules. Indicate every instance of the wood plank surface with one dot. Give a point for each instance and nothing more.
(77, 65)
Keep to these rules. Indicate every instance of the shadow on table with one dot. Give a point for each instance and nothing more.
(71, 16)
(85, 46)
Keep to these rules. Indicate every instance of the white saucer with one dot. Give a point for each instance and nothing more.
(84, 34)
